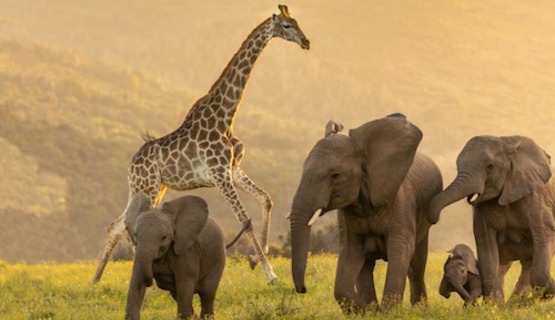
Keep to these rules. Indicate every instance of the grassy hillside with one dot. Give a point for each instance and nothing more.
(62, 291)
(80, 82)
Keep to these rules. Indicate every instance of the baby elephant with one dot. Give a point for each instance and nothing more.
(178, 245)
(461, 275)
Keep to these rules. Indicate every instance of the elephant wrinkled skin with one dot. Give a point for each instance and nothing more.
(507, 180)
(381, 187)
(179, 246)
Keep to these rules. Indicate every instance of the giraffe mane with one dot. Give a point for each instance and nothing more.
(147, 137)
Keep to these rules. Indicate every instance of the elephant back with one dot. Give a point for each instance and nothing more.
(425, 176)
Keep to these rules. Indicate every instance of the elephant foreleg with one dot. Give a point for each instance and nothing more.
(416, 273)
(488, 256)
(474, 283)
(543, 238)
(186, 271)
(349, 265)
(400, 249)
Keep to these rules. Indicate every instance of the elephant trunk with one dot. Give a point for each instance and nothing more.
(464, 185)
(143, 260)
(300, 242)
(302, 211)
(136, 292)
(461, 290)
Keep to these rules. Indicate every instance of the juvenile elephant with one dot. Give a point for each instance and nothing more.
(507, 181)
(461, 275)
(381, 187)
(178, 245)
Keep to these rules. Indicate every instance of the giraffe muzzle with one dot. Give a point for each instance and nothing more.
(305, 44)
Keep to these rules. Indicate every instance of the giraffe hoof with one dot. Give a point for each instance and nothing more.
(273, 280)
(253, 261)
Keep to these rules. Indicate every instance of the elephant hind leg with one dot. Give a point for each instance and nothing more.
(416, 273)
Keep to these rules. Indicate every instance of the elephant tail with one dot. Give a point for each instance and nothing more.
(246, 225)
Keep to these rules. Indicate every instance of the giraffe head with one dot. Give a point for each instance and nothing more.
(287, 28)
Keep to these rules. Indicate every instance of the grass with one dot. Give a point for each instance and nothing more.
(63, 291)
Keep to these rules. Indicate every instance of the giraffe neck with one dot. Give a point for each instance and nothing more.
(225, 94)
(233, 79)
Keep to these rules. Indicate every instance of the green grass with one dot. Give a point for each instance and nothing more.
(63, 291)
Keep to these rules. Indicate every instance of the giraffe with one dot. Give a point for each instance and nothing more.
(204, 152)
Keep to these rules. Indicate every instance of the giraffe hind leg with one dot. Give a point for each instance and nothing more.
(225, 185)
(117, 230)
(243, 181)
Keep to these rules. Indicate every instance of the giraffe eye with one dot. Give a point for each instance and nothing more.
(286, 26)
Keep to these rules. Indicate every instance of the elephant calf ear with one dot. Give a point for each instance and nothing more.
(388, 146)
(139, 203)
(190, 214)
(530, 168)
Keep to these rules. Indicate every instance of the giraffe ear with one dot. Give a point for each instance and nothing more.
(284, 10)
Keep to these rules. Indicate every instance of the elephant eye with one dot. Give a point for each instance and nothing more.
(335, 176)
(489, 167)
(164, 238)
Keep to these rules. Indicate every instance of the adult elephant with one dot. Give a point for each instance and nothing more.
(381, 187)
(507, 181)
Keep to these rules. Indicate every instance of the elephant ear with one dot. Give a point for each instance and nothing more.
(190, 214)
(332, 127)
(388, 146)
(530, 168)
(469, 262)
(467, 255)
(138, 203)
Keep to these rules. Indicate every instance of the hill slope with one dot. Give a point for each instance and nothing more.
(80, 82)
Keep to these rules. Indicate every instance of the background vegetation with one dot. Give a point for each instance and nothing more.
(80, 81)
(63, 291)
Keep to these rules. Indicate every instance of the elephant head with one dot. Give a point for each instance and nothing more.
(153, 230)
(502, 168)
(364, 168)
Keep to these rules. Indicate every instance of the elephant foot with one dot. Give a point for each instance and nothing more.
(550, 290)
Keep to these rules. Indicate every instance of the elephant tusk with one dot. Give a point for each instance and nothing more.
(315, 217)
(472, 198)
(288, 216)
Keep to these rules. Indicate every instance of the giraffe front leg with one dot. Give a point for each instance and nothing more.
(225, 185)
(246, 184)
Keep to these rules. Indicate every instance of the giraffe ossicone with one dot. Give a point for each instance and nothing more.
(203, 151)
